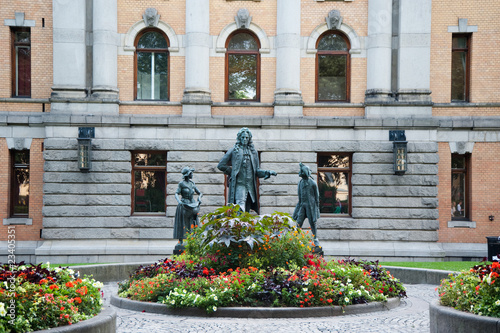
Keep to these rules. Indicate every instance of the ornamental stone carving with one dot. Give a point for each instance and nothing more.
(151, 17)
(243, 19)
(334, 20)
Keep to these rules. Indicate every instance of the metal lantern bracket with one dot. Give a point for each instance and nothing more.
(400, 151)
(85, 136)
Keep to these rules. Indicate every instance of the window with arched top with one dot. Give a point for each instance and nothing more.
(333, 75)
(152, 62)
(242, 67)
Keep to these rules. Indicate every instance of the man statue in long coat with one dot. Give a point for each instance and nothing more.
(241, 164)
(308, 206)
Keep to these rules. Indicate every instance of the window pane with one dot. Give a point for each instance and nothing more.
(243, 41)
(459, 42)
(333, 192)
(149, 191)
(20, 183)
(333, 161)
(144, 159)
(332, 77)
(242, 76)
(332, 42)
(152, 40)
(458, 76)
(161, 75)
(22, 37)
(23, 71)
(152, 75)
(22, 157)
(458, 194)
(458, 162)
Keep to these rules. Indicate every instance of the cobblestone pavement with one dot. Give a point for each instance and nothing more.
(411, 316)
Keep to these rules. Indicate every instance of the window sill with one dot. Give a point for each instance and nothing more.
(238, 103)
(18, 221)
(461, 224)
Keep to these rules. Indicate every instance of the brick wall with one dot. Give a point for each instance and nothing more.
(41, 46)
(485, 69)
(484, 180)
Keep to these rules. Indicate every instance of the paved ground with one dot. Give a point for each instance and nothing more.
(411, 316)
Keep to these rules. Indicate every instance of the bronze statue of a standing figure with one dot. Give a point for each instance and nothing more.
(241, 164)
(188, 208)
(308, 206)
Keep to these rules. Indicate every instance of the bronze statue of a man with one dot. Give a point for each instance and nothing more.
(241, 164)
(308, 206)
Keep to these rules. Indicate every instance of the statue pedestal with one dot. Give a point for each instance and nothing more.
(179, 248)
(318, 250)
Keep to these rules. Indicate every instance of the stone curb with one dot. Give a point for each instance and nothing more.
(418, 275)
(104, 322)
(257, 312)
(444, 319)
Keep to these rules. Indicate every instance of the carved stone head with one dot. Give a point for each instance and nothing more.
(243, 19)
(334, 20)
(151, 17)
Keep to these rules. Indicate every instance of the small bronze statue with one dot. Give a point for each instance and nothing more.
(188, 208)
(241, 164)
(308, 206)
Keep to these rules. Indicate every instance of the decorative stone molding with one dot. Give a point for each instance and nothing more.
(461, 147)
(18, 143)
(19, 21)
(335, 0)
(462, 26)
(151, 17)
(243, 18)
(461, 224)
(320, 29)
(220, 44)
(129, 38)
(334, 20)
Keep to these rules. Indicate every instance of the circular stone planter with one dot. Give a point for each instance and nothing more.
(444, 319)
(104, 322)
(257, 312)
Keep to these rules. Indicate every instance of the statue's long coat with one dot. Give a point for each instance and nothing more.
(230, 164)
(311, 204)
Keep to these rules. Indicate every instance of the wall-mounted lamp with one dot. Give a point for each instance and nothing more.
(85, 135)
(491, 217)
(400, 151)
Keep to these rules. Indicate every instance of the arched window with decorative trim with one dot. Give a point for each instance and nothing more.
(242, 67)
(151, 65)
(333, 67)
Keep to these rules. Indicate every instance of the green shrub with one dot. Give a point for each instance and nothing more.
(230, 238)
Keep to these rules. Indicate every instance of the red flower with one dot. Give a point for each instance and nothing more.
(69, 284)
(42, 281)
(78, 300)
(205, 271)
(477, 287)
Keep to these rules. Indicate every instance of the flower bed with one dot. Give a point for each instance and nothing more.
(235, 259)
(37, 297)
(476, 291)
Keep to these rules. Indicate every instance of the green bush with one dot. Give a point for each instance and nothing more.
(229, 238)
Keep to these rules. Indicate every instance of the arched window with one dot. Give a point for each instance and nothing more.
(333, 75)
(242, 67)
(151, 60)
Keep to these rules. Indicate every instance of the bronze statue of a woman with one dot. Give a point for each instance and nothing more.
(186, 214)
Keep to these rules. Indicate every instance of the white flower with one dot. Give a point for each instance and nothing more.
(304, 289)
(348, 280)
(497, 302)
(215, 297)
(3, 312)
(172, 301)
(350, 292)
(214, 308)
(346, 300)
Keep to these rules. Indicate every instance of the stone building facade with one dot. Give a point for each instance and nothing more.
(427, 69)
